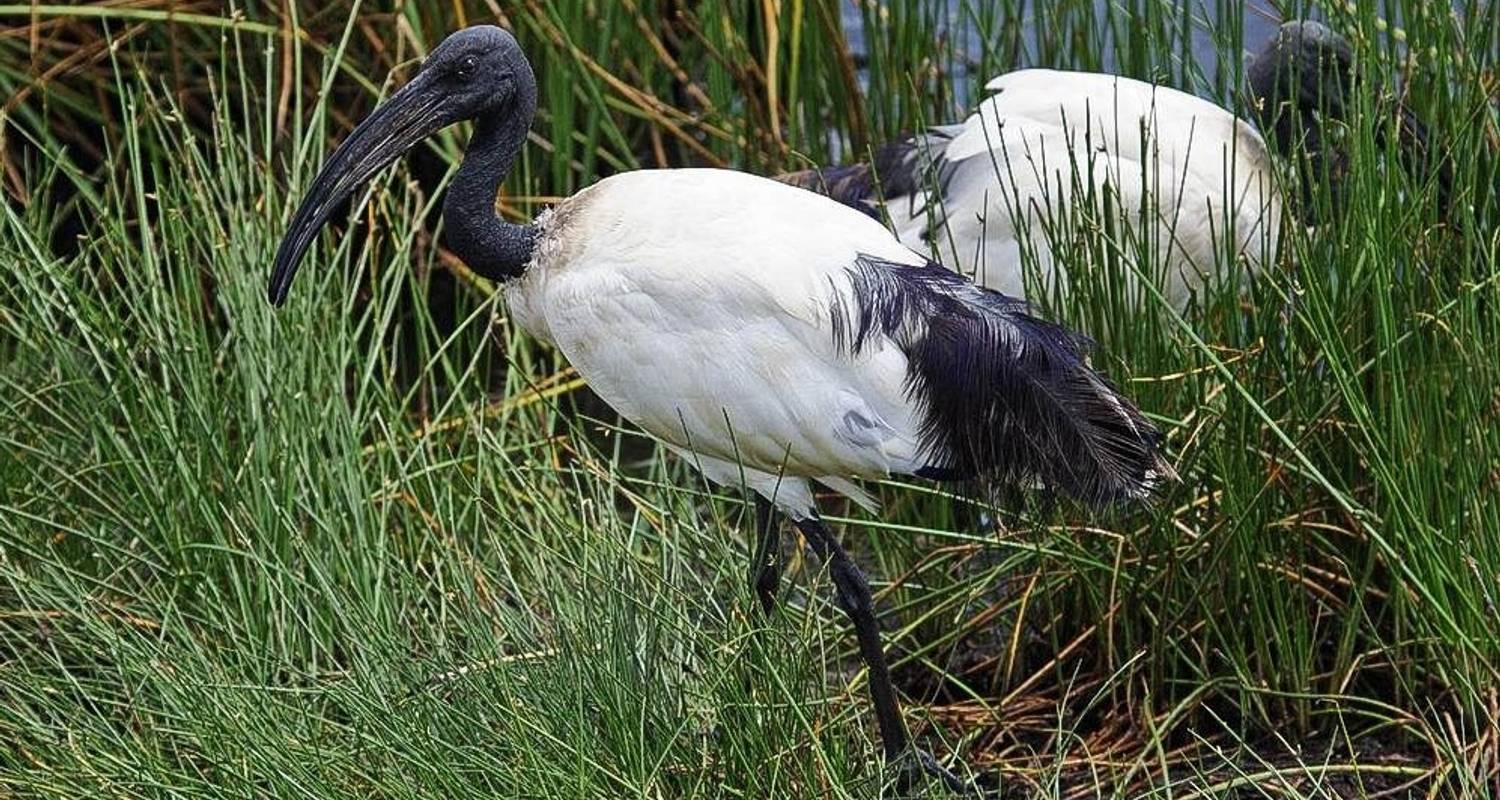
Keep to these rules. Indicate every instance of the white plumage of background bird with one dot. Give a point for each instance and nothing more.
(772, 336)
(1039, 156)
(1049, 153)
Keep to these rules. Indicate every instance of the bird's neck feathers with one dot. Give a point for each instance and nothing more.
(489, 245)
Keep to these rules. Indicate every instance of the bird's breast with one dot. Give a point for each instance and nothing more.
(559, 245)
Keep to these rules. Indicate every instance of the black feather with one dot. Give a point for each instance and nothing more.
(1003, 395)
(899, 169)
(852, 185)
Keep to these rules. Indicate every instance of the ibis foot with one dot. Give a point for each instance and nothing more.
(915, 767)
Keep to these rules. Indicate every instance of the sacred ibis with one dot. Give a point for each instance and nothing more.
(769, 335)
(1188, 177)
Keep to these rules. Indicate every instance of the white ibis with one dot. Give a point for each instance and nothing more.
(768, 334)
(1192, 179)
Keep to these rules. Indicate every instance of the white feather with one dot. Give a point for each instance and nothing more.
(729, 275)
(1199, 174)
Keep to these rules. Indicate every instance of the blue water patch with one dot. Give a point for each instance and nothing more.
(1258, 18)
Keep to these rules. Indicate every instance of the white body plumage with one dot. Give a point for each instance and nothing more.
(739, 311)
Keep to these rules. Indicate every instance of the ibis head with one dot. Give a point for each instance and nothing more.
(476, 73)
(1307, 66)
(1306, 76)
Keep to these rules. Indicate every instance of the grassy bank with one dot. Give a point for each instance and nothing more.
(379, 543)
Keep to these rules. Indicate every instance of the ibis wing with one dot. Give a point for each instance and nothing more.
(1050, 145)
(999, 392)
(1036, 161)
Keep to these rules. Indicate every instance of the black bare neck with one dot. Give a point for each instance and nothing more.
(487, 243)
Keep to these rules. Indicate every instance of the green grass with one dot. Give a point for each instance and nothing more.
(378, 543)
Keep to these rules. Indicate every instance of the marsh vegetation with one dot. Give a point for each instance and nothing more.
(375, 543)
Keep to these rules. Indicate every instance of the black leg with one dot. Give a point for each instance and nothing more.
(765, 565)
(854, 598)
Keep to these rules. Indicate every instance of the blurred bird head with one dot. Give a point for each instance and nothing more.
(1303, 84)
(1306, 66)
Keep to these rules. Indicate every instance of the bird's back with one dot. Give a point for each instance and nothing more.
(721, 227)
(1111, 111)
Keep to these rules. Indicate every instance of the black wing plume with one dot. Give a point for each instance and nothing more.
(1003, 395)
(899, 170)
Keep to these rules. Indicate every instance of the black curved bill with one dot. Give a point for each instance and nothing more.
(410, 115)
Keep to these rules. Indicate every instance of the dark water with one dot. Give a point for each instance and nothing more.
(1259, 20)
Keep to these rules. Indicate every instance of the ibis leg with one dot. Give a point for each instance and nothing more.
(853, 594)
(765, 566)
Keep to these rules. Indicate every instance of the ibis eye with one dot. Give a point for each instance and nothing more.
(466, 67)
